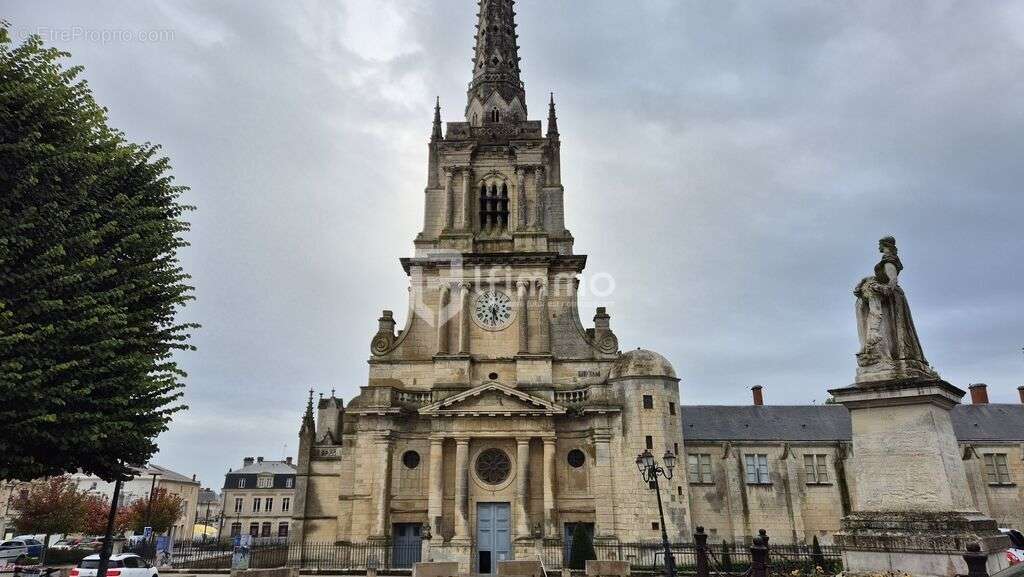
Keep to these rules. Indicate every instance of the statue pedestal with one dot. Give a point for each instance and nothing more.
(912, 506)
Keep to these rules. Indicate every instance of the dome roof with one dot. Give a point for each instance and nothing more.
(641, 363)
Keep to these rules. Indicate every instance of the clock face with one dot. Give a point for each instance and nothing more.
(493, 310)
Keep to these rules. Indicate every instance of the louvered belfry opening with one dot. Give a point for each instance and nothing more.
(493, 206)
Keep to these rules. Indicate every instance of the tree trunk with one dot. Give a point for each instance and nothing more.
(46, 545)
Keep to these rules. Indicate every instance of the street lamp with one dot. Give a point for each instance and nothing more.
(649, 472)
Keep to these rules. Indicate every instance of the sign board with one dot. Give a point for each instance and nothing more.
(147, 534)
(240, 556)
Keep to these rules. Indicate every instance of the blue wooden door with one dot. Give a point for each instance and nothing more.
(406, 545)
(493, 536)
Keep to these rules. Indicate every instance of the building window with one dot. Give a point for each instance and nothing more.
(269, 505)
(655, 526)
(698, 469)
(649, 442)
(648, 402)
(289, 483)
(816, 469)
(671, 408)
(494, 206)
(757, 469)
(286, 504)
(236, 529)
(282, 529)
(241, 483)
(675, 449)
(264, 482)
(266, 530)
(411, 459)
(256, 505)
(238, 504)
(576, 458)
(493, 466)
(254, 529)
(996, 469)
(495, 115)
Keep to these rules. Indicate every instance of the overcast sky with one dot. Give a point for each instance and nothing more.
(730, 165)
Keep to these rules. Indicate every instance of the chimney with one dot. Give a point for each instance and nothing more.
(247, 461)
(259, 459)
(288, 460)
(193, 476)
(979, 394)
(1020, 391)
(758, 395)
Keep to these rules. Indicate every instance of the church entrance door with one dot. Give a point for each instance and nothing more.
(406, 546)
(493, 536)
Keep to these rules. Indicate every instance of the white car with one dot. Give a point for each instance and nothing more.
(13, 551)
(123, 565)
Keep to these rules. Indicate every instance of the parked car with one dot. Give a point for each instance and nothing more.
(1015, 554)
(123, 565)
(35, 547)
(14, 551)
(89, 544)
(66, 544)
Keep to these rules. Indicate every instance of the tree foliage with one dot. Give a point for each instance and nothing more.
(161, 514)
(90, 283)
(49, 507)
(98, 512)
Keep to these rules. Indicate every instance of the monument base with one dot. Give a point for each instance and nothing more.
(455, 550)
(925, 544)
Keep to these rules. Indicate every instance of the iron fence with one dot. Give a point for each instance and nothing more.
(280, 553)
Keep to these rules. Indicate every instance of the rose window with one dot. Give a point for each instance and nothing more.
(493, 466)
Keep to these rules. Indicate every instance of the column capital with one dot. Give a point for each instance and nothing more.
(437, 440)
(523, 440)
(462, 440)
(550, 440)
(522, 285)
(465, 286)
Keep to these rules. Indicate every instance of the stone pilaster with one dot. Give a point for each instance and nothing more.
(524, 318)
(462, 488)
(522, 487)
(435, 496)
(449, 200)
(464, 318)
(522, 204)
(538, 205)
(467, 200)
(544, 326)
(381, 484)
(550, 529)
(603, 486)
(444, 294)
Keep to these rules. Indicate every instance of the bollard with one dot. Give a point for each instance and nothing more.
(700, 541)
(977, 562)
(758, 558)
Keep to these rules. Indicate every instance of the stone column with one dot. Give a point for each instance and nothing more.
(524, 318)
(522, 487)
(449, 199)
(382, 484)
(467, 200)
(462, 488)
(538, 205)
(604, 486)
(464, 318)
(436, 495)
(522, 204)
(549, 488)
(544, 330)
(442, 319)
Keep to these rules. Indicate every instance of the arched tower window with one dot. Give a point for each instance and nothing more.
(495, 115)
(493, 206)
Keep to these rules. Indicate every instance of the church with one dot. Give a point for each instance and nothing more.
(494, 420)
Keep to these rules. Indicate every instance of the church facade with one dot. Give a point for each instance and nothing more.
(494, 420)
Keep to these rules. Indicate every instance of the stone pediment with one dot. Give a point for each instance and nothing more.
(493, 399)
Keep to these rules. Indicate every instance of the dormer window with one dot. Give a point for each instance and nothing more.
(493, 206)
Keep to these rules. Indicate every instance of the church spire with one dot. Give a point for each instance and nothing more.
(436, 134)
(496, 67)
(552, 119)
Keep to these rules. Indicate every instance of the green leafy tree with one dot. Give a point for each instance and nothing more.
(160, 514)
(582, 547)
(53, 506)
(90, 283)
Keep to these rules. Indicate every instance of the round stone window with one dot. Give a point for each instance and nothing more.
(576, 458)
(411, 459)
(493, 466)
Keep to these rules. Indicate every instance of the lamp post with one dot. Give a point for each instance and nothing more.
(650, 470)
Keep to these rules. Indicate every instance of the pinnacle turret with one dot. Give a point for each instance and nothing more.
(436, 134)
(496, 93)
(552, 119)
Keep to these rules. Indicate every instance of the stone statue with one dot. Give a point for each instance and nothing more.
(889, 347)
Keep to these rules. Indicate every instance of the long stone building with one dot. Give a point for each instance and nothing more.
(494, 420)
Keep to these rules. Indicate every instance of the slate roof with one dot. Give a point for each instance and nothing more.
(991, 422)
(163, 474)
(264, 466)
